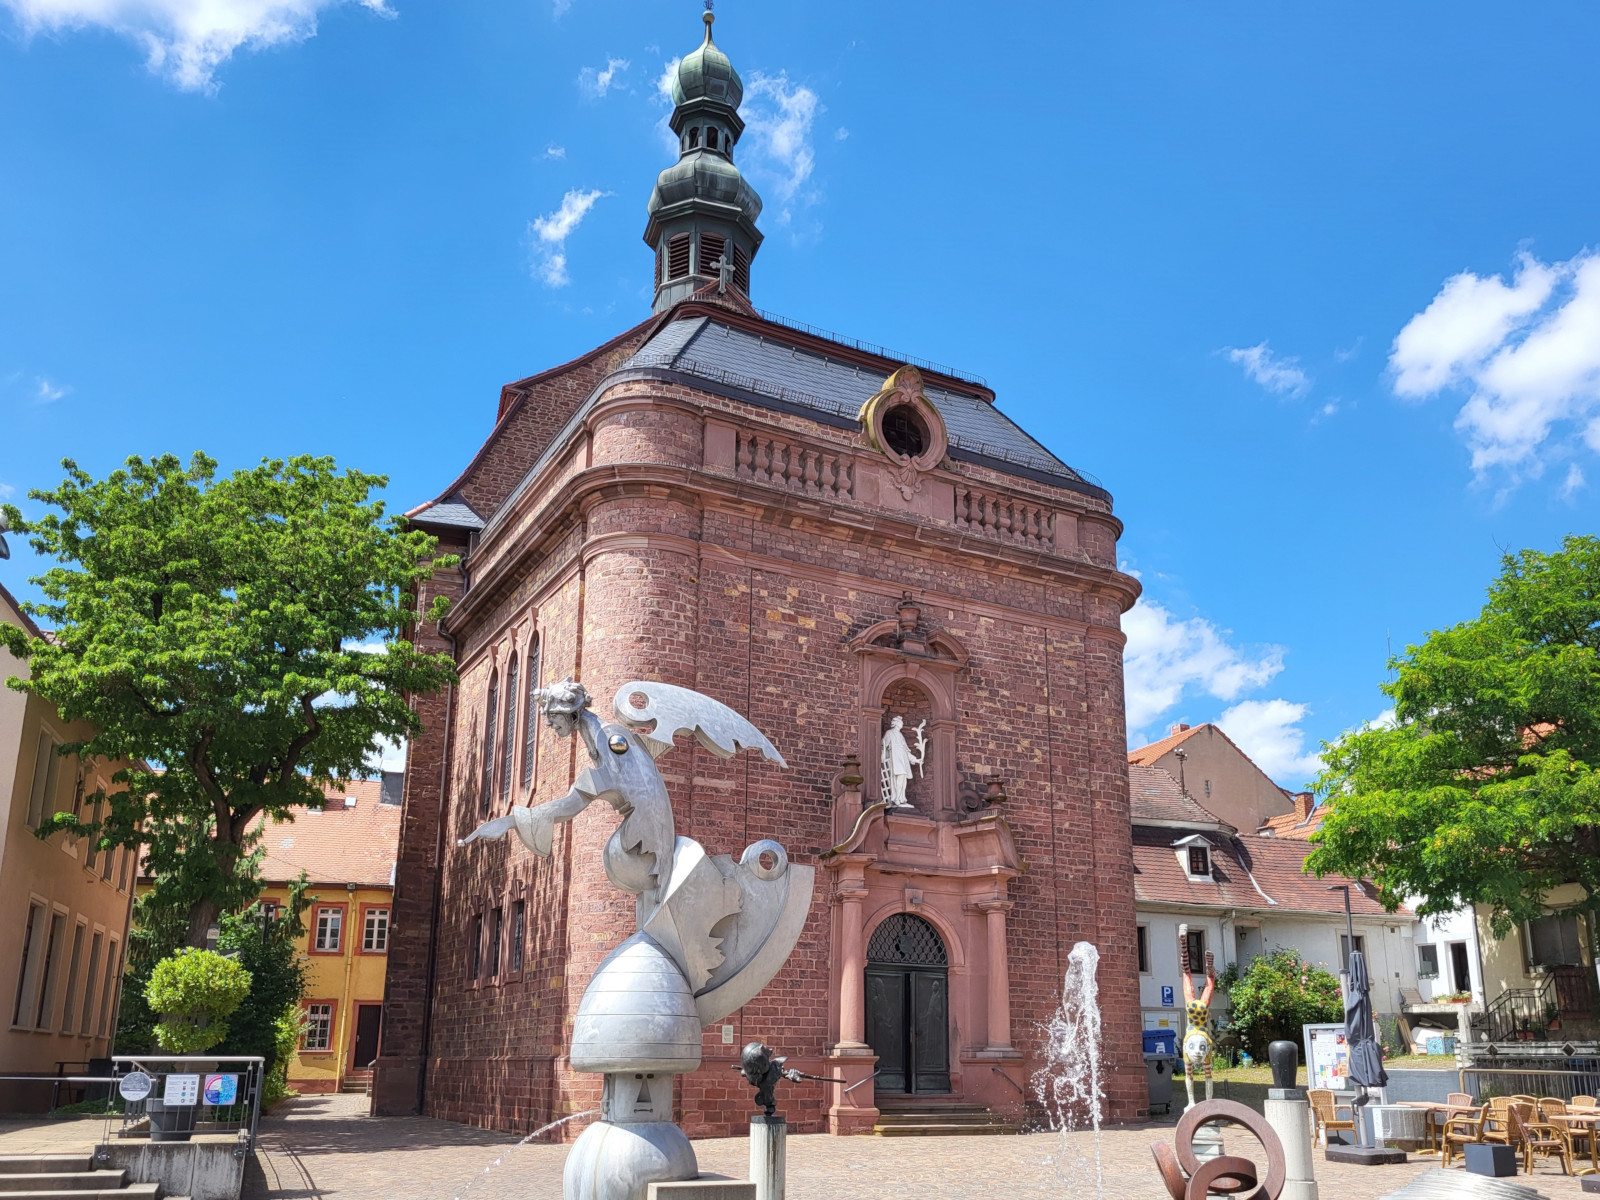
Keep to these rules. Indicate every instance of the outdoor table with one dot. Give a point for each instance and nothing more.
(1587, 1120)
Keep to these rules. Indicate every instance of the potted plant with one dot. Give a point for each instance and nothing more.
(195, 991)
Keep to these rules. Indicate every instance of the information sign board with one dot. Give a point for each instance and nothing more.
(1327, 1057)
(181, 1091)
(222, 1089)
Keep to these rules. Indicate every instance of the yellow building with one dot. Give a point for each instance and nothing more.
(347, 851)
(64, 905)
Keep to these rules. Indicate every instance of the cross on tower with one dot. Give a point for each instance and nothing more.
(723, 267)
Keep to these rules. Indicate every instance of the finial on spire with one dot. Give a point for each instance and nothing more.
(709, 17)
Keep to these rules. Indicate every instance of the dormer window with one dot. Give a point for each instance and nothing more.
(1200, 861)
(1194, 857)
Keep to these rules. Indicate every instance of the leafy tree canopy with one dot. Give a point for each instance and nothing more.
(1484, 790)
(213, 627)
(195, 991)
(1277, 994)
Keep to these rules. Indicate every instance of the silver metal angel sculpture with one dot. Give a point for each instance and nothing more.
(639, 1021)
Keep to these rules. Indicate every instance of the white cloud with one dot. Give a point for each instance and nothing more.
(595, 82)
(1281, 376)
(1573, 483)
(669, 72)
(1527, 354)
(185, 40)
(1268, 731)
(46, 392)
(552, 231)
(387, 754)
(555, 151)
(778, 119)
(560, 8)
(1166, 658)
(7, 491)
(841, 134)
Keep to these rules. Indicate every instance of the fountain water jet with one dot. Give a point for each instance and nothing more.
(1069, 1086)
(543, 1129)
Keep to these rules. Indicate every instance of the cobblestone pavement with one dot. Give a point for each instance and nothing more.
(327, 1148)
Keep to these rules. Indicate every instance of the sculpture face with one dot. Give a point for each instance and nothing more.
(896, 722)
(564, 723)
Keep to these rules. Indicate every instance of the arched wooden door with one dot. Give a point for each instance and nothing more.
(908, 1006)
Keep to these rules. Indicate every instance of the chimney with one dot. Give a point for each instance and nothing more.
(1304, 804)
(1179, 728)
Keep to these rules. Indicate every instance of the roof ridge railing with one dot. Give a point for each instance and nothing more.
(871, 347)
(673, 361)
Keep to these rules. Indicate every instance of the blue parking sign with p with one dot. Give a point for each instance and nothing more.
(1166, 997)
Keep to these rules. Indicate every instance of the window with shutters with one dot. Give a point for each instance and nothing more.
(711, 247)
(741, 269)
(678, 256)
(46, 781)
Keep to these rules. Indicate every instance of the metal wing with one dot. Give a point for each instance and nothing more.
(676, 710)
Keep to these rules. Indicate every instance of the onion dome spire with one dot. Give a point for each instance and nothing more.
(702, 213)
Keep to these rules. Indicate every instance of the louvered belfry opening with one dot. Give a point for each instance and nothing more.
(660, 262)
(741, 269)
(711, 247)
(678, 256)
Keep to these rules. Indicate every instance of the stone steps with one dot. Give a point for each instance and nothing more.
(941, 1120)
(67, 1177)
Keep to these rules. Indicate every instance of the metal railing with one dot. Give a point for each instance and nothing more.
(1582, 1078)
(194, 1095)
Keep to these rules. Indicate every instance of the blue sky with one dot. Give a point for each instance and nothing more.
(1313, 291)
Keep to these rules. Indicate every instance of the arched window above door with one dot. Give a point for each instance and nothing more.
(906, 940)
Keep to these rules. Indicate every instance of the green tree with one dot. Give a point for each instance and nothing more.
(268, 949)
(215, 627)
(195, 991)
(1277, 994)
(1484, 789)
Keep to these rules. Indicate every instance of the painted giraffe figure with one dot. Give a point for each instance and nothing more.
(1198, 1048)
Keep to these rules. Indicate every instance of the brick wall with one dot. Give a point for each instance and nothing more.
(752, 598)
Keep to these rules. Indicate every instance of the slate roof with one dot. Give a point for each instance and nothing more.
(340, 844)
(451, 511)
(1247, 872)
(1154, 795)
(772, 368)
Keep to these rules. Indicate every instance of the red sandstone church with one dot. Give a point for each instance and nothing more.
(822, 535)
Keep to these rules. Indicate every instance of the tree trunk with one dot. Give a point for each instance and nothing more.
(203, 914)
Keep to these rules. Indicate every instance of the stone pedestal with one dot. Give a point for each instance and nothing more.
(766, 1155)
(854, 1111)
(1289, 1114)
(703, 1189)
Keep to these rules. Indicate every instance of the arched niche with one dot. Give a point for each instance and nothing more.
(914, 673)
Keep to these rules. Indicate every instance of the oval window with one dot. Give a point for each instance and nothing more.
(904, 431)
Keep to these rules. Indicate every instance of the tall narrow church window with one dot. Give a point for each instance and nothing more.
(711, 247)
(486, 793)
(678, 256)
(741, 269)
(694, 137)
(531, 736)
(510, 752)
(711, 137)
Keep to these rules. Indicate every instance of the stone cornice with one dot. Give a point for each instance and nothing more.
(711, 490)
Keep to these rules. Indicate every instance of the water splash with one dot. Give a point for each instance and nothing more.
(1068, 1085)
(537, 1132)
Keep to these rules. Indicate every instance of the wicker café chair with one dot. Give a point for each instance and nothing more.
(1325, 1114)
(1460, 1131)
(1584, 1102)
(1534, 1137)
(1577, 1136)
(1460, 1100)
(1496, 1123)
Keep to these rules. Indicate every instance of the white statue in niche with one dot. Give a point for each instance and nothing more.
(898, 760)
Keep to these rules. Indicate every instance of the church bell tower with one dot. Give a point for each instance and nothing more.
(703, 213)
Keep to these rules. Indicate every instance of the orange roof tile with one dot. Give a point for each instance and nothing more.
(1154, 795)
(1146, 756)
(342, 844)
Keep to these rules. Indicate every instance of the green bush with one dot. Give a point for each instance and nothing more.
(268, 950)
(1277, 994)
(195, 991)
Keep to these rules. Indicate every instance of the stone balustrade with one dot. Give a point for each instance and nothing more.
(794, 467)
(1004, 518)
